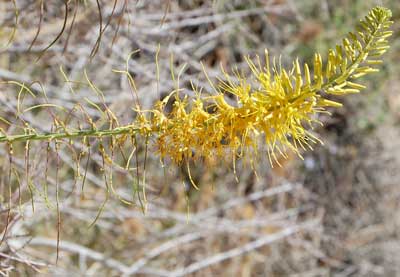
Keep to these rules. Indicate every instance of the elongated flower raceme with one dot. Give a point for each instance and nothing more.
(273, 105)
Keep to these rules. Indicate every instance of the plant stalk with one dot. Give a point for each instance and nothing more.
(69, 135)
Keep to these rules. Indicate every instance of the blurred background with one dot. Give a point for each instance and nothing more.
(335, 213)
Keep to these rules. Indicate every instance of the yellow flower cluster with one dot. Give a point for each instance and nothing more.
(272, 105)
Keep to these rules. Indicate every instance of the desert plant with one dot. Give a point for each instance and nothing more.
(273, 102)
(273, 106)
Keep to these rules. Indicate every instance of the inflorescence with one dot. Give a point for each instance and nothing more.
(275, 106)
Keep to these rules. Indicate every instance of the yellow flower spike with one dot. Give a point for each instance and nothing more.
(279, 105)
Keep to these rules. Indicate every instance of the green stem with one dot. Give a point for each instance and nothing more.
(70, 135)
